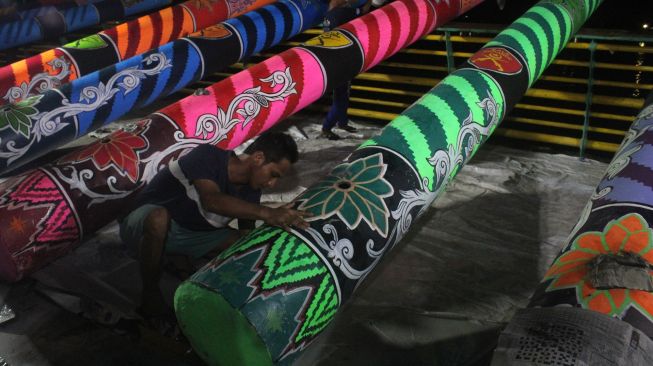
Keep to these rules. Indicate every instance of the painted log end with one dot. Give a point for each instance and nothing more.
(219, 334)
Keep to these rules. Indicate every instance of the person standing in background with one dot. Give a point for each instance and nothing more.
(341, 12)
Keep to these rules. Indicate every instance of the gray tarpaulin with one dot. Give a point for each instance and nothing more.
(440, 298)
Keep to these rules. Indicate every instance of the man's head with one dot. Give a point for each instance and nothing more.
(271, 156)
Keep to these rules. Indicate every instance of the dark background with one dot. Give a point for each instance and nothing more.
(612, 14)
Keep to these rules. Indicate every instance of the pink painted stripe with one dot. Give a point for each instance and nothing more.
(385, 29)
(312, 91)
(192, 107)
(313, 76)
(422, 16)
(403, 13)
(361, 32)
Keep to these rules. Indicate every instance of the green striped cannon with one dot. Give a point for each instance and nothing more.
(266, 298)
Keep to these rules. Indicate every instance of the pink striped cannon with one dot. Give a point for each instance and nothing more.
(48, 211)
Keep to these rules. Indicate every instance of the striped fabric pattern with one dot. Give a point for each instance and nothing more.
(50, 22)
(542, 32)
(111, 46)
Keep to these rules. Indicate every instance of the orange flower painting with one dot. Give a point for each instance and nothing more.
(630, 233)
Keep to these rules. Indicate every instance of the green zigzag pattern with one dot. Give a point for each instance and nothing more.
(420, 131)
(291, 261)
(320, 312)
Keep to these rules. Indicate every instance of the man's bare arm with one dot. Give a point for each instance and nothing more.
(213, 200)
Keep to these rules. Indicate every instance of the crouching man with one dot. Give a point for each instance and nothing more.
(185, 209)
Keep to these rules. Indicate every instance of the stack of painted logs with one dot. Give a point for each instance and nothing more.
(60, 65)
(51, 21)
(268, 296)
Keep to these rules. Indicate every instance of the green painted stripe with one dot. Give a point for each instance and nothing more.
(370, 142)
(469, 102)
(389, 135)
(519, 42)
(534, 43)
(469, 93)
(452, 97)
(595, 4)
(440, 131)
(392, 137)
(563, 26)
(551, 29)
(485, 87)
(428, 114)
(415, 142)
(562, 13)
(543, 41)
(588, 10)
(576, 10)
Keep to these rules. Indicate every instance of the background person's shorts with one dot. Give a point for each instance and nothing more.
(180, 240)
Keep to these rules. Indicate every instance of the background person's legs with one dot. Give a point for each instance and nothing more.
(337, 114)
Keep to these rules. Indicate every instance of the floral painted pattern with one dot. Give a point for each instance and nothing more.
(353, 191)
(238, 6)
(630, 233)
(199, 4)
(118, 150)
(18, 116)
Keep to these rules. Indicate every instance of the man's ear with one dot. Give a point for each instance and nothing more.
(259, 158)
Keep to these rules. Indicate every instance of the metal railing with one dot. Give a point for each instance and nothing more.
(586, 99)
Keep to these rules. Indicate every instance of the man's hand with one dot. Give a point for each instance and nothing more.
(337, 3)
(285, 217)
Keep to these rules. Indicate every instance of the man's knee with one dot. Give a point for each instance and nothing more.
(157, 222)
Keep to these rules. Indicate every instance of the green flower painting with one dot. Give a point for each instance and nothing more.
(353, 191)
(18, 116)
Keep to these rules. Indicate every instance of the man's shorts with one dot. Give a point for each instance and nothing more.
(180, 240)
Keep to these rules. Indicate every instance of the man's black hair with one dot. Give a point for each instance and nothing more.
(276, 146)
